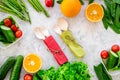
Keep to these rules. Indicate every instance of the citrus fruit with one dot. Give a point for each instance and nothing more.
(94, 12)
(32, 63)
(70, 8)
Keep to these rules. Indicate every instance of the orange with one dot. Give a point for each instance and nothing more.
(94, 12)
(32, 63)
(70, 8)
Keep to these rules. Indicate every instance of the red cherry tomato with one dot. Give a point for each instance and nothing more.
(49, 3)
(115, 48)
(104, 54)
(28, 77)
(18, 33)
(7, 22)
(14, 28)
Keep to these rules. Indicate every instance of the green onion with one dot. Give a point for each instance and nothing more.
(38, 7)
(15, 7)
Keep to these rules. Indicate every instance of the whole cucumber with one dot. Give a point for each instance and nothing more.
(15, 74)
(8, 64)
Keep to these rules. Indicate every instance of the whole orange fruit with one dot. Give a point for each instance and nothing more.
(70, 8)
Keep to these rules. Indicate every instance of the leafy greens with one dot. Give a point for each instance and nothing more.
(68, 71)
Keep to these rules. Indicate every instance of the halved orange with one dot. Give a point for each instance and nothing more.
(94, 12)
(32, 63)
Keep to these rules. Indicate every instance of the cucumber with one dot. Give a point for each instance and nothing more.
(8, 33)
(35, 77)
(101, 72)
(15, 74)
(118, 53)
(2, 38)
(112, 60)
(107, 76)
(8, 64)
(98, 71)
(1, 23)
(117, 67)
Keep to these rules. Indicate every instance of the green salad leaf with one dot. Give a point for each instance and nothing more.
(68, 71)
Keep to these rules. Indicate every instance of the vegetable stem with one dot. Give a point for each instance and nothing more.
(38, 7)
(15, 7)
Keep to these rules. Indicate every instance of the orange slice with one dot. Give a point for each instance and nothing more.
(94, 12)
(32, 63)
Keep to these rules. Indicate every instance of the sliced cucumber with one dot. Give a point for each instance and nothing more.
(101, 72)
(117, 67)
(2, 38)
(8, 33)
(118, 59)
(112, 60)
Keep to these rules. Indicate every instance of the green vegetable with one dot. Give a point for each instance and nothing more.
(35, 77)
(59, 1)
(2, 38)
(116, 1)
(113, 9)
(117, 17)
(68, 71)
(15, 74)
(98, 71)
(82, 2)
(8, 33)
(104, 20)
(101, 72)
(90, 1)
(15, 7)
(117, 67)
(1, 23)
(8, 64)
(53, 2)
(38, 7)
(112, 15)
(112, 60)
(46, 75)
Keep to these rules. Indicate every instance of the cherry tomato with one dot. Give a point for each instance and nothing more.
(28, 77)
(14, 28)
(7, 22)
(49, 3)
(115, 48)
(18, 33)
(104, 54)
